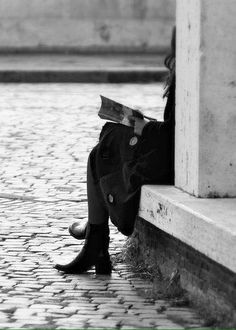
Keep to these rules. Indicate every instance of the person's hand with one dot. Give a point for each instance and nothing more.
(138, 124)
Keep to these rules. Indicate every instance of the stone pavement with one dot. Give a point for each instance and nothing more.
(46, 133)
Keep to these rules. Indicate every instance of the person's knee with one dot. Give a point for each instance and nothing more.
(127, 231)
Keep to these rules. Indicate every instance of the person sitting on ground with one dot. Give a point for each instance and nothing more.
(124, 159)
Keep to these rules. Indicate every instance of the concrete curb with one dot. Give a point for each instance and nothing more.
(83, 76)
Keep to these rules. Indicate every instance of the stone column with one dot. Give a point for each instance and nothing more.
(206, 97)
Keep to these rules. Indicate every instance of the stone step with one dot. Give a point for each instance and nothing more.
(207, 225)
(191, 241)
(113, 68)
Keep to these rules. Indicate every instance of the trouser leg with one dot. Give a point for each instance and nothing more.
(98, 215)
(95, 249)
(97, 211)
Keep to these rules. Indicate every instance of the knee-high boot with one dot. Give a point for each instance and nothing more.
(104, 265)
(94, 252)
(78, 229)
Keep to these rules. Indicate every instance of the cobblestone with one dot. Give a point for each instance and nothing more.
(46, 133)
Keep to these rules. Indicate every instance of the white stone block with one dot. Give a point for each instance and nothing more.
(206, 98)
(207, 225)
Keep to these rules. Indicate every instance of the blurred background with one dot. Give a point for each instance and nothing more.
(100, 26)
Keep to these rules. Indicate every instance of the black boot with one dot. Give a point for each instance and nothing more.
(78, 230)
(104, 265)
(92, 252)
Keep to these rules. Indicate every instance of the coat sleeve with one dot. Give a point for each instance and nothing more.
(154, 166)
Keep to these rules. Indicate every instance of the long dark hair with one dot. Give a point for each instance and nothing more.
(170, 64)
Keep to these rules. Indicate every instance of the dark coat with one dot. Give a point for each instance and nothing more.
(121, 167)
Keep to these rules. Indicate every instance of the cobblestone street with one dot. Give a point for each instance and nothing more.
(46, 133)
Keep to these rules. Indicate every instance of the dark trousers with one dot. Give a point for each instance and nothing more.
(97, 211)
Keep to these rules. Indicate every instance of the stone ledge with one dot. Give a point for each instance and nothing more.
(82, 68)
(207, 225)
(84, 76)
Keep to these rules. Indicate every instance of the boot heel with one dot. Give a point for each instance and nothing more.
(103, 266)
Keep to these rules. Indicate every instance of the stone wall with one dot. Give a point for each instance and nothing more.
(210, 286)
(91, 25)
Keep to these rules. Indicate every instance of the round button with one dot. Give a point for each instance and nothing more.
(110, 198)
(133, 141)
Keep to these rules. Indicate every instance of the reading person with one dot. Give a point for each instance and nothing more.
(124, 159)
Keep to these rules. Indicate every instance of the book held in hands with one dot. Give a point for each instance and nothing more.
(119, 113)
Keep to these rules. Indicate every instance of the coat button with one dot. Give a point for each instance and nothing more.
(133, 141)
(110, 198)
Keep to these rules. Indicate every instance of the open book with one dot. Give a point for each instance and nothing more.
(119, 113)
